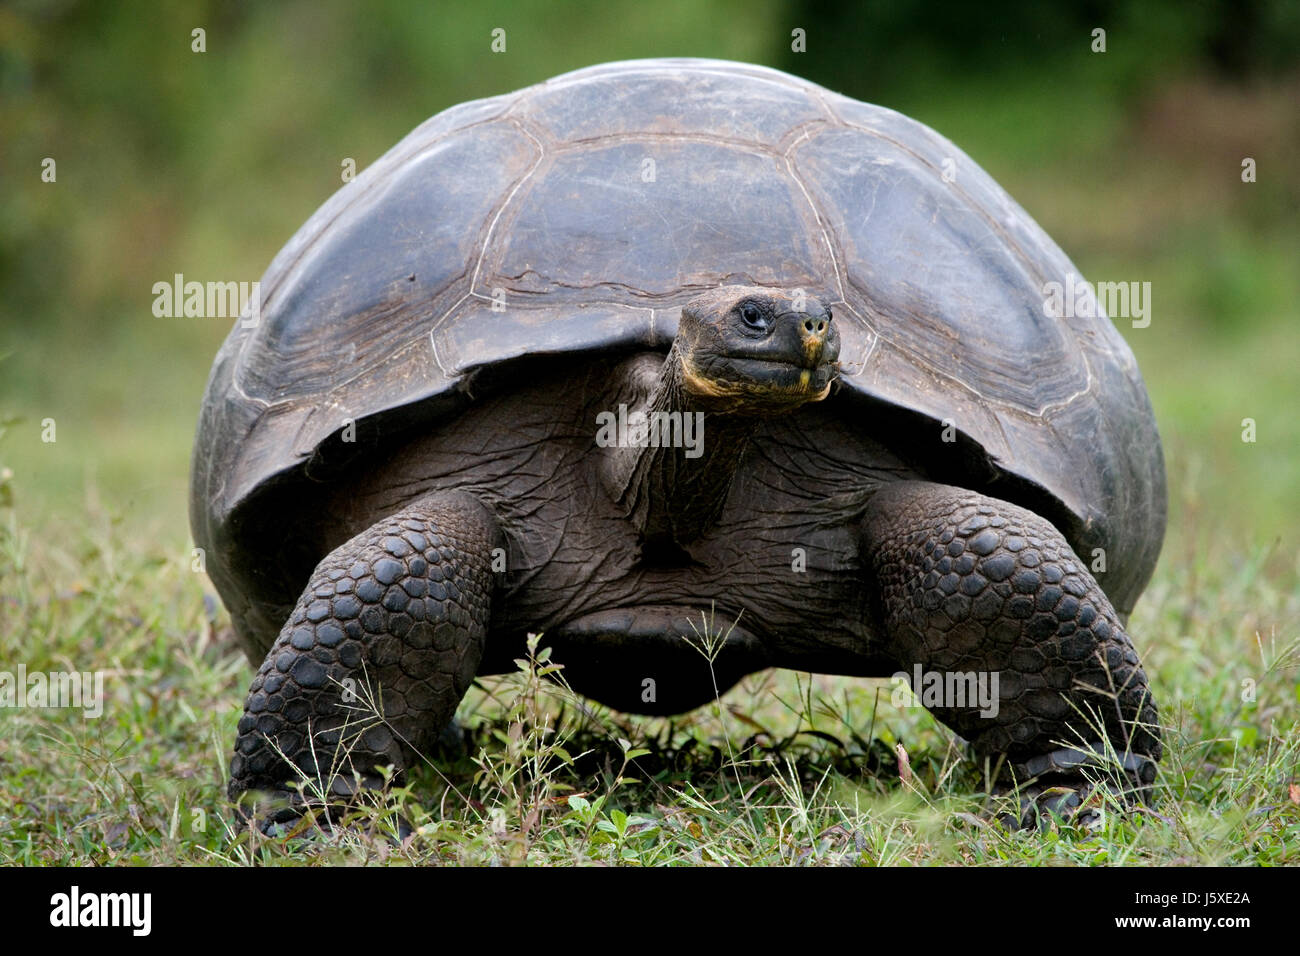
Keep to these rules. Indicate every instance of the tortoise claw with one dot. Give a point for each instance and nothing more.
(1138, 768)
(285, 815)
(1040, 805)
(1054, 786)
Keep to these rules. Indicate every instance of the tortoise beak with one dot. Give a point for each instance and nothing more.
(811, 337)
(814, 332)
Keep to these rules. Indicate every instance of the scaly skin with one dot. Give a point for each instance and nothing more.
(399, 613)
(971, 583)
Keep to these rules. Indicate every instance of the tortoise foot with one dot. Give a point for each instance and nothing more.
(1075, 785)
(373, 661)
(988, 602)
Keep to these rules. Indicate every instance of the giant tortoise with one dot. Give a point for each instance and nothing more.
(663, 343)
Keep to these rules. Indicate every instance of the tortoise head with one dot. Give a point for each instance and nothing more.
(755, 350)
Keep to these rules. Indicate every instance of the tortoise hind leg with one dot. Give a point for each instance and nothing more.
(967, 583)
(392, 622)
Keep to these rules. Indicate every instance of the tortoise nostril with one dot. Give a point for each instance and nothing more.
(814, 327)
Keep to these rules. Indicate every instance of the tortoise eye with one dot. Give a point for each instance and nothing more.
(752, 317)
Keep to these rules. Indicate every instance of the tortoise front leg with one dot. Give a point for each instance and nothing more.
(393, 620)
(970, 583)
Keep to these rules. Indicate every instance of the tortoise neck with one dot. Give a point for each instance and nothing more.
(682, 463)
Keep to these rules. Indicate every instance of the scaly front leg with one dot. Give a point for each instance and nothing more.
(396, 616)
(970, 583)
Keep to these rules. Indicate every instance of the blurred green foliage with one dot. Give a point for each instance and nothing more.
(173, 161)
(913, 48)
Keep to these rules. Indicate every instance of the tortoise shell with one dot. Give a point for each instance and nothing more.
(581, 213)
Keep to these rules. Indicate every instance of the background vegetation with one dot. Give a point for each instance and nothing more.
(205, 163)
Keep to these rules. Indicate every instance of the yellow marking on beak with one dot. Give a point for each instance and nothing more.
(804, 378)
(813, 345)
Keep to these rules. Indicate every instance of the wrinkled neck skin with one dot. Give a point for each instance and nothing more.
(675, 492)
